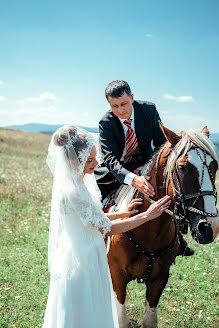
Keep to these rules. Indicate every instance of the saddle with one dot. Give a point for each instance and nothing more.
(119, 199)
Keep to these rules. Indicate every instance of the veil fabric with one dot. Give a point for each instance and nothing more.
(75, 196)
(81, 292)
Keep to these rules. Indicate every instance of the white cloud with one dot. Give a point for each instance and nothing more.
(36, 110)
(43, 97)
(3, 112)
(180, 99)
(48, 109)
(41, 109)
(2, 98)
(48, 115)
(163, 112)
(150, 36)
(179, 122)
(1, 82)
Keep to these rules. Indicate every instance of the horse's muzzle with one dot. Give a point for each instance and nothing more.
(201, 230)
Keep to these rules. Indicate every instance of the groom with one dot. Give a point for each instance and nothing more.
(126, 134)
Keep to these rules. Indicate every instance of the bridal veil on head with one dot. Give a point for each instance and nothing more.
(72, 191)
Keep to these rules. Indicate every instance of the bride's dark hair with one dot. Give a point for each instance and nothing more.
(79, 140)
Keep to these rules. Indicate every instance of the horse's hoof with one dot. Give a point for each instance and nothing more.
(150, 317)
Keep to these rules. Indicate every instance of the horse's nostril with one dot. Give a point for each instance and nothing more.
(204, 232)
(202, 226)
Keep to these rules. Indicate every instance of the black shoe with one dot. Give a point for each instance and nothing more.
(184, 249)
(188, 251)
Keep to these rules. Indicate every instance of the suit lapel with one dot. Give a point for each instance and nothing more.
(119, 131)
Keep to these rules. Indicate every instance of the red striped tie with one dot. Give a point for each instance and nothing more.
(131, 141)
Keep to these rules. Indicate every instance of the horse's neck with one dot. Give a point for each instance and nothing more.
(157, 180)
(158, 233)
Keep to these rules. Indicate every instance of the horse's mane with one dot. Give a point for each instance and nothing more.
(147, 168)
(189, 138)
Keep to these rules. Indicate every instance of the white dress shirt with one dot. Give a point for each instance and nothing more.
(129, 177)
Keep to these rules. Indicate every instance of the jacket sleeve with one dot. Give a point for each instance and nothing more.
(158, 136)
(110, 150)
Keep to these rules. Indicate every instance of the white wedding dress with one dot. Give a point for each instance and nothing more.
(80, 292)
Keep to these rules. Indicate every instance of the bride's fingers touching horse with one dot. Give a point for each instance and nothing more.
(134, 202)
(155, 210)
(158, 207)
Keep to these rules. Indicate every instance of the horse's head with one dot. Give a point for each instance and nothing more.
(190, 174)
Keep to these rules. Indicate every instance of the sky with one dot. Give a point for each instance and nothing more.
(56, 58)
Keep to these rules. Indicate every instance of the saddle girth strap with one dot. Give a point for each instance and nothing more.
(151, 255)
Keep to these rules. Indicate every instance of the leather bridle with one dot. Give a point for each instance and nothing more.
(181, 198)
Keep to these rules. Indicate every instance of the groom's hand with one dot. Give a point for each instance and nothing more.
(143, 185)
(136, 171)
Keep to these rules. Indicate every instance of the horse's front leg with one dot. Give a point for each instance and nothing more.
(122, 315)
(154, 291)
(119, 286)
(150, 316)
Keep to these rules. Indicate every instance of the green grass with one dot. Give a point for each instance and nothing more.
(189, 300)
(190, 297)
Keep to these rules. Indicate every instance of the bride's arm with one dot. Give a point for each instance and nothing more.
(155, 210)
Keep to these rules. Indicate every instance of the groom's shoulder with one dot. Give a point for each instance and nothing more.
(144, 106)
(108, 117)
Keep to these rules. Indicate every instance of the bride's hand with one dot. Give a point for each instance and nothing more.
(129, 209)
(157, 208)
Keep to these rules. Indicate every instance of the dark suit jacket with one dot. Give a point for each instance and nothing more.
(112, 141)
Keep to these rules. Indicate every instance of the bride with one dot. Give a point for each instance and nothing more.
(80, 293)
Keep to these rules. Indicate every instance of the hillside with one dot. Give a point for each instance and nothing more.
(50, 129)
(44, 128)
(189, 299)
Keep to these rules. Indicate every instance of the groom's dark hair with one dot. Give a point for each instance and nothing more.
(115, 89)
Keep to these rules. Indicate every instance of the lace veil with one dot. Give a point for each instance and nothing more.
(73, 192)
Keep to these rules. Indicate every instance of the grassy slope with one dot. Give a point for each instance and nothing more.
(189, 300)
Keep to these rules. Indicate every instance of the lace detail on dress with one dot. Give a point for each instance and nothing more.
(87, 211)
(94, 216)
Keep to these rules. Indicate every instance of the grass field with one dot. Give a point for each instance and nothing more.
(189, 300)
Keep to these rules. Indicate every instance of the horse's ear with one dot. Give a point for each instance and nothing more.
(206, 131)
(171, 136)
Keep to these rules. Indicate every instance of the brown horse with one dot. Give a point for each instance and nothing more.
(184, 168)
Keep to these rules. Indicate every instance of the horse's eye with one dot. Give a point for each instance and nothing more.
(182, 168)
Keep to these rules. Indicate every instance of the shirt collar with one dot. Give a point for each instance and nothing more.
(132, 117)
